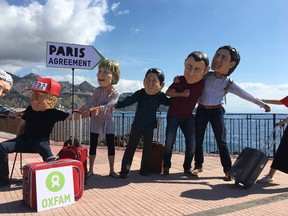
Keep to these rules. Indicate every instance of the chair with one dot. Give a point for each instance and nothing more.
(15, 158)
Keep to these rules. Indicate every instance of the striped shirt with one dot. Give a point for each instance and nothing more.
(103, 123)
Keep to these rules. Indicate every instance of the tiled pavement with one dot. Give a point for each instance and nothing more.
(155, 195)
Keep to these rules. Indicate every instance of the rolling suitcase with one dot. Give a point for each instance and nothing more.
(250, 164)
(156, 157)
(29, 178)
(72, 147)
(157, 152)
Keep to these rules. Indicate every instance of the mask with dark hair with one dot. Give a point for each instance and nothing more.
(153, 81)
(158, 72)
(199, 56)
(235, 56)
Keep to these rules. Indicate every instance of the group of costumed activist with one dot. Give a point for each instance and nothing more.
(39, 118)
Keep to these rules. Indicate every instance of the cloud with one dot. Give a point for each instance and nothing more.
(115, 7)
(234, 104)
(24, 30)
(129, 85)
(135, 30)
(123, 12)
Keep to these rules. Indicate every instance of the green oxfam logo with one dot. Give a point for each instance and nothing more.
(55, 181)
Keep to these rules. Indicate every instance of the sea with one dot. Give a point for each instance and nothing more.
(255, 130)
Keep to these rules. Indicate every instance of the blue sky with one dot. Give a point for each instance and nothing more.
(141, 34)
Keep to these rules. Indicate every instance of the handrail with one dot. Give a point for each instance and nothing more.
(243, 130)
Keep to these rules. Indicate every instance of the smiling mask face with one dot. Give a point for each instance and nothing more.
(5, 87)
(104, 77)
(221, 62)
(152, 84)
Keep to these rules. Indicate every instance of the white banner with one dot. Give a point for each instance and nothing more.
(54, 188)
(75, 56)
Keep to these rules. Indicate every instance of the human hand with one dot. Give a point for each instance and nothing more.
(20, 114)
(176, 79)
(282, 123)
(94, 111)
(267, 108)
(185, 93)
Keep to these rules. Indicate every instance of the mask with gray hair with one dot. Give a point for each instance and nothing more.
(6, 77)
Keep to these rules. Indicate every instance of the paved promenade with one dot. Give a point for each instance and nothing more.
(156, 195)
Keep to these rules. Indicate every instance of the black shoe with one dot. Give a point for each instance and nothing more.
(4, 182)
(144, 173)
(123, 175)
(227, 177)
(197, 170)
(52, 158)
(189, 173)
(165, 172)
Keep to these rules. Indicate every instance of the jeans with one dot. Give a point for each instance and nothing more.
(24, 145)
(187, 126)
(134, 138)
(216, 119)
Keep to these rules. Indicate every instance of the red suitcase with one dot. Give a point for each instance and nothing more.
(75, 152)
(29, 178)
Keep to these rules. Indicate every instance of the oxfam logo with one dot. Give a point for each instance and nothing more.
(55, 181)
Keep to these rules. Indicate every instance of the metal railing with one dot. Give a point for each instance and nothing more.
(243, 130)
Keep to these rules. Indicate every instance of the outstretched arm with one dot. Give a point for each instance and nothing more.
(277, 102)
(237, 90)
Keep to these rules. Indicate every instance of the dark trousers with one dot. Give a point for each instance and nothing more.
(134, 138)
(187, 126)
(280, 161)
(24, 145)
(216, 119)
(109, 142)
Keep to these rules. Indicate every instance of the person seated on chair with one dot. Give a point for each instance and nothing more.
(36, 125)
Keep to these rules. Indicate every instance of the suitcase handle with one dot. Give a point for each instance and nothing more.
(80, 126)
(76, 111)
(271, 140)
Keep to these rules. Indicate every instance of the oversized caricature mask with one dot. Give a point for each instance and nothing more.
(45, 92)
(108, 73)
(154, 81)
(225, 60)
(6, 83)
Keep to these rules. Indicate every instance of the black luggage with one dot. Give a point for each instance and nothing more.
(156, 157)
(157, 151)
(250, 164)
